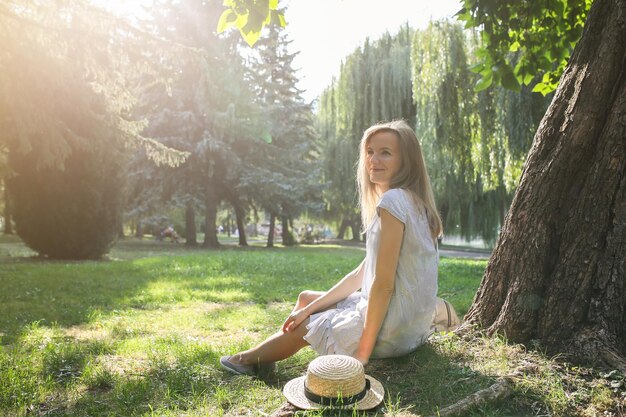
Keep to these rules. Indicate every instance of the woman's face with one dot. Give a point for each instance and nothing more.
(383, 159)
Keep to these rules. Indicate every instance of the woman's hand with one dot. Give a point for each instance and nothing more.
(295, 319)
(361, 357)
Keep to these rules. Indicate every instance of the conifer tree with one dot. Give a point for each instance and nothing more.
(67, 127)
(204, 112)
(281, 174)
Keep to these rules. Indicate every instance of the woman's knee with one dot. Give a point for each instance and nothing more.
(306, 297)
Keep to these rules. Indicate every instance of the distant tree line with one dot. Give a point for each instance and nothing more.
(108, 123)
(105, 122)
(475, 142)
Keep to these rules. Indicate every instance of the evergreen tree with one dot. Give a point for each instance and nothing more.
(67, 105)
(204, 112)
(281, 173)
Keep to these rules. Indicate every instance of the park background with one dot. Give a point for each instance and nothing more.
(120, 121)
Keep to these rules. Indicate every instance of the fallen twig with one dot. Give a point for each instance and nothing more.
(502, 388)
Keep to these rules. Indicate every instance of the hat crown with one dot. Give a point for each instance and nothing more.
(335, 376)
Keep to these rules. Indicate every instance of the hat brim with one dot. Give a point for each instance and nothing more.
(294, 392)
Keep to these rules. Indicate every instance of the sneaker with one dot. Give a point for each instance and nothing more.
(252, 370)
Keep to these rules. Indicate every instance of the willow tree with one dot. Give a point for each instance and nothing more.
(475, 142)
(374, 84)
(557, 274)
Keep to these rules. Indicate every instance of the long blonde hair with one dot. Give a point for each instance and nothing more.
(412, 175)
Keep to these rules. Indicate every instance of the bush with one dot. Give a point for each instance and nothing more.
(70, 212)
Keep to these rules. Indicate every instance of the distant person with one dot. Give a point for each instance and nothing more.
(384, 308)
(169, 232)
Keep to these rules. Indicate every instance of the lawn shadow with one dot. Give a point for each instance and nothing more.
(72, 293)
(422, 382)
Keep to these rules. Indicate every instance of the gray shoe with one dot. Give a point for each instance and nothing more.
(252, 370)
(236, 368)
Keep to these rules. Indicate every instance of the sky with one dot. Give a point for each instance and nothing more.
(326, 31)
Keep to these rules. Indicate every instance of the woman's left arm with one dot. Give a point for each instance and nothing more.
(391, 233)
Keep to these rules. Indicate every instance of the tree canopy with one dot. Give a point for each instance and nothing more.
(521, 40)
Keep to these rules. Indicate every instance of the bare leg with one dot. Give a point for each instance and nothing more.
(280, 345)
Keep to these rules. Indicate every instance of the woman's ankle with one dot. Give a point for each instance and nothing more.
(242, 359)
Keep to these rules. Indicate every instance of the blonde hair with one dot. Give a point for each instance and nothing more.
(412, 175)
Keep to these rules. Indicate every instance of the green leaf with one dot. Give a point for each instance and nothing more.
(278, 18)
(251, 37)
(241, 22)
(267, 138)
(509, 80)
(227, 20)
(542, 88)
(484, 83)
(527, 78)
(477, 68)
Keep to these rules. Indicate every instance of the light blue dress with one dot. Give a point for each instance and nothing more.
(409, 316)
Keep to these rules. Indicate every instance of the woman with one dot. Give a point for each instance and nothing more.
(391, 314)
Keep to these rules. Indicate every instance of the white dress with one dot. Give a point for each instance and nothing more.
(409, 316)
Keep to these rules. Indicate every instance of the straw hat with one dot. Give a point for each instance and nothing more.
(336, 381)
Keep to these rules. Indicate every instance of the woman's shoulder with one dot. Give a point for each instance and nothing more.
(401, 196)
(395, 194)
(398, 202)
(403, 199)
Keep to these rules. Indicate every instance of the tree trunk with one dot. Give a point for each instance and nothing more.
(342, 229)
(190, 226)
(286, 234)
(240, 216)
(8, 225)
(139, 230)
(270, 236)
(210, 231)
(557, 272)
(355, 225)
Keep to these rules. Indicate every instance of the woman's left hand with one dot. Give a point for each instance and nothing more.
(294, 320)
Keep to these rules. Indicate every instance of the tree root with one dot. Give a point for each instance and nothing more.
(613, 359)
(502, 388)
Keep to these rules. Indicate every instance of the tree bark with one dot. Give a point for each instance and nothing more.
(556, 275)
(210, 231)
(8, 225)
(270, 236)
(356, 229)
(190, 226)
(139, 230)
(342, 229)
(286, 234)
(241, 226)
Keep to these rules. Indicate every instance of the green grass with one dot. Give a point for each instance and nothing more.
(140, 334)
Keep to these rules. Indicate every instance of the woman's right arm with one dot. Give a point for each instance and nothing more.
(346, 286)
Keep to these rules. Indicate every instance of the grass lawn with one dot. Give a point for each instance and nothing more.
(140, 334)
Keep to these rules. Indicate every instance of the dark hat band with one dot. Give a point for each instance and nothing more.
(336, 401)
